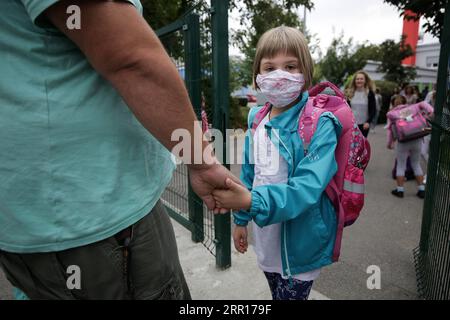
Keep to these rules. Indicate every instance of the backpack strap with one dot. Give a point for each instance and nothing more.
(317, 89)
(307, 123)
(255, 119)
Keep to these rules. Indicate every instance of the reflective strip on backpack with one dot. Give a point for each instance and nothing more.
(353, 187)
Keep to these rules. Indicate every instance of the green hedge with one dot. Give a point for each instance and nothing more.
(238, 114)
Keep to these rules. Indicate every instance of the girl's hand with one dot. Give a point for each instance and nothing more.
(240, 239)
(366, 126)
(236, 197)
(391, 146)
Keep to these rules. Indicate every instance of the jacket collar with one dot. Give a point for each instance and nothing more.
(288, 120)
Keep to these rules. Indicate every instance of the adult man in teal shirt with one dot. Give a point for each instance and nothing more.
(80, 174)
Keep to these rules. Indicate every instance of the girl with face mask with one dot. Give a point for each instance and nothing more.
(294, 222)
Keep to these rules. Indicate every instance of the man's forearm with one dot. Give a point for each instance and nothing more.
(154, 91)
(123, 48)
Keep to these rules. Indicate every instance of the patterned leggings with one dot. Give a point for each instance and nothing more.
(281, 290)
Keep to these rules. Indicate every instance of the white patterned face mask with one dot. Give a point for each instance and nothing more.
(280, 87)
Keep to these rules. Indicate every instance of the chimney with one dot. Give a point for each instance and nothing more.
(411, 31)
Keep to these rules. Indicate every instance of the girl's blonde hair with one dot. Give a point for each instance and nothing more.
(369, 85)
(285, 40)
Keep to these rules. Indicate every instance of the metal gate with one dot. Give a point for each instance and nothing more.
(198, 45)
(432, 257)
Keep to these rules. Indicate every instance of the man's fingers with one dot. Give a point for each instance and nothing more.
(233, 179)
(210, 202)
(219, 210)
(230, 184)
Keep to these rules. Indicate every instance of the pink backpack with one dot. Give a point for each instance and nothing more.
(409, 122)
(346, 189)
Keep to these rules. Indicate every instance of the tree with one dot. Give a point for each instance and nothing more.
(343, 59)
(256, 17)
(159, 13)
(391, 55)
(431, 10)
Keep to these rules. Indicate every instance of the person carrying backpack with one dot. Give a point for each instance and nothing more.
(407, 125)
(289, 160)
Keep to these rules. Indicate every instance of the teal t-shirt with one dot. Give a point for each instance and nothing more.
(76, 166)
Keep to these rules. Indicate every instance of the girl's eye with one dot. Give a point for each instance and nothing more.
(291, 67)
(268, 69)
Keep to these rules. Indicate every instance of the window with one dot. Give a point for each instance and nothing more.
(432, 62)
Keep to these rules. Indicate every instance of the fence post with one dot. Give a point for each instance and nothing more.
(191, 30)
(219, 13)
(433, 254)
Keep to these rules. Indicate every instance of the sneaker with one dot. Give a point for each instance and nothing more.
(421, 194)
(397, 193)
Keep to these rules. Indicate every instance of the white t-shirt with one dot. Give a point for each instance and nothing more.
(360, 107)
(270, 168)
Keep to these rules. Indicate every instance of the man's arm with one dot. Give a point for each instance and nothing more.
(122, 47)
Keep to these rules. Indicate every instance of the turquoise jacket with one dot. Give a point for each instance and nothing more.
(301, 205)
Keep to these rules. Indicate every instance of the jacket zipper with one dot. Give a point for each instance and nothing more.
(284, 224)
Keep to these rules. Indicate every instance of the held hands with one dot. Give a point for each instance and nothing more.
(235, 196)
(205, 179)
(240, 239)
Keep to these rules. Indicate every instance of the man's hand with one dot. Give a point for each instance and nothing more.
(236, 196)
(205, 179)
(240, 239)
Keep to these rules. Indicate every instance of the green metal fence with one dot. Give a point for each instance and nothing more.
(432, 257)
(198, 45)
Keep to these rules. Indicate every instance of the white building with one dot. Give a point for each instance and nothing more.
(427, 55)
(427, 60)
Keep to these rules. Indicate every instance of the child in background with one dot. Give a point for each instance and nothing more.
(405, 149)
(411, 97)
(431, 100)
(378, 104)
(294, 222)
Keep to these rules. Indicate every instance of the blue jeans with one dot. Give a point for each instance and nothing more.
(281, 289)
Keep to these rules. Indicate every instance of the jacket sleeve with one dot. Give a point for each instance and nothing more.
(242, 217)
(372, 106)
(281, 202)
(427, 108)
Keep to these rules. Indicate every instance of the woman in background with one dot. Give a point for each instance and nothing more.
(361, 98)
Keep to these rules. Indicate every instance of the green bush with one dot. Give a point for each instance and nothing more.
(238, 114)
(387, 90)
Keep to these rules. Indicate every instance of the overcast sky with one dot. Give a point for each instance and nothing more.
(371, 20)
